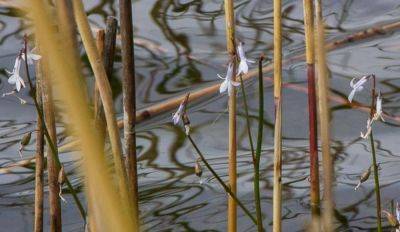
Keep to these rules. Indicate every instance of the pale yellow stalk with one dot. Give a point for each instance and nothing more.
(230, 43)
(323, 105)
(277, 191)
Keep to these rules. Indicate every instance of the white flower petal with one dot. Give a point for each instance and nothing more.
(243, 68)
(234, 83)
(34, 56)
(18, 85)
(223, 87)
(12, 80)
(352, 82)
(351, 95)
(175, 118)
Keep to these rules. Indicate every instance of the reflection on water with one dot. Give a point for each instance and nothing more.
(181, 46)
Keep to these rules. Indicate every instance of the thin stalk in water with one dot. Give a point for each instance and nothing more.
(277, 191)
(374, 163)
(226, 188)
(232, 149)
(323, 106)
(39, 156)
(312, 107)
(129, 103)
(255, 155)
(259, 144)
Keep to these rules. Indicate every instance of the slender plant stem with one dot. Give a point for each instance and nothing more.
(106, 97)
(277, 191)
(99, 118)
(129, 102)
(39, 156)
(49, 141)
(377, 187)
(323, 103)
(259, 144)
(230, 43)
(226, 188)
(248, 127)
(374, 163)
(256, 163)
(105, 43)
(312, 107)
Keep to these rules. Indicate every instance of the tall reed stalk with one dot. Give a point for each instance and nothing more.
(106, 97)
(109, 213)
(230, 43)
(129, 101)
(312, 106)
(105, 43)
(277, 192)
(52, 168)
(323, 104)
(39, 156)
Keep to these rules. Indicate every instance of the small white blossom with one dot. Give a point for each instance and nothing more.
(15, 78)
(178, 114)
(228, 83)
(243, 66)
(369, 129)
(31, 56)
(357, 87)
(378, 109)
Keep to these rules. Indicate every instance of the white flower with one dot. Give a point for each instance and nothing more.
(228, 83)
(378, 109)
(31, 56)
(369, 128)
(357, 87)
(181, 110)
(15, 78)
(243, 67)
(178, 114)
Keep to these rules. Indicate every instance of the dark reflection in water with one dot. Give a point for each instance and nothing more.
(180, 46)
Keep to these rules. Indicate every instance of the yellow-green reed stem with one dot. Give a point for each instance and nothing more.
(54, 151)
(230, 43)
(259, 144)
(277, 191)
(323, 103)
(226, 188)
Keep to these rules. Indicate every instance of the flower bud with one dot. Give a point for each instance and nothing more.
(364, 177)
(61, 176)
(26, 139)
(391, 219)
(197, 168)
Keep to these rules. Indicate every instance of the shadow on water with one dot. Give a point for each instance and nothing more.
(180, 46)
